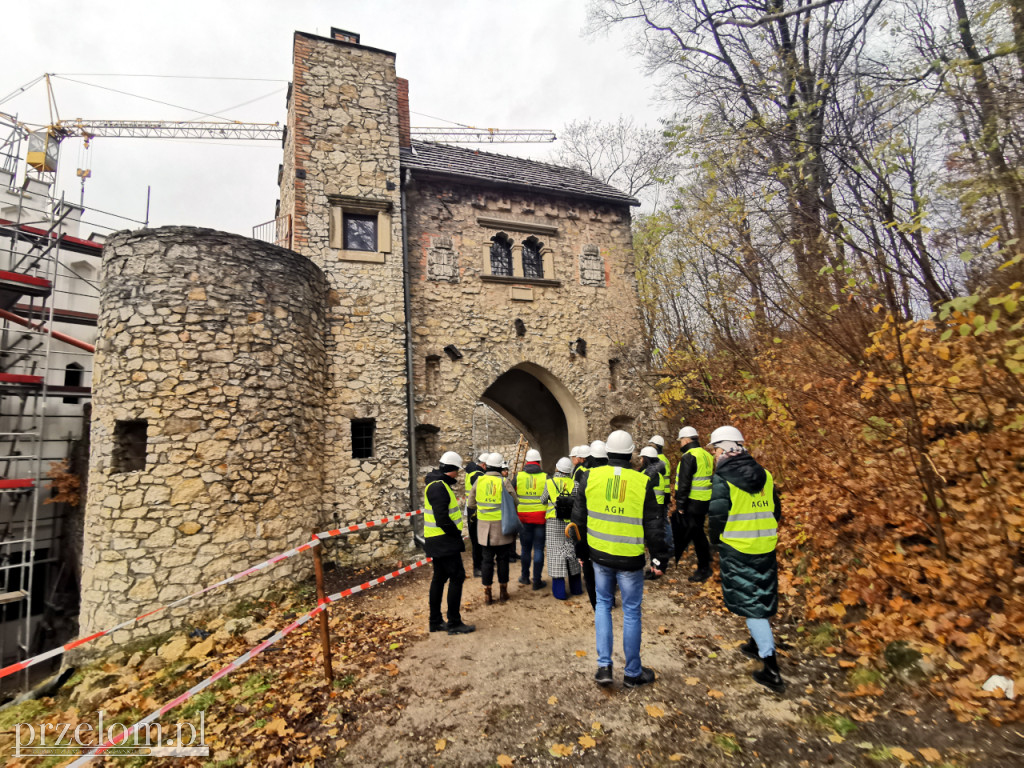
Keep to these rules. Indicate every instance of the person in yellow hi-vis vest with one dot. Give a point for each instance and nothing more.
(442, 536)
(744, 514)
(614, 515)
(497, 546)
(560, 552)
(692, 495)
(532, 490)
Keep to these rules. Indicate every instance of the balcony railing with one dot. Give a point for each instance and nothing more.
(277, 231)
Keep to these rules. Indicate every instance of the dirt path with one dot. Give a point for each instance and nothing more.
(522, 686)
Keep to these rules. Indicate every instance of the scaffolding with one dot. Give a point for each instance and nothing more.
(42, 372)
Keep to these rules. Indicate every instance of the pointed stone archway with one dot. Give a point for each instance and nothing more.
(541, 407)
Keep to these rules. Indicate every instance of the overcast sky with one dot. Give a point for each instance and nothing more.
(510, 64)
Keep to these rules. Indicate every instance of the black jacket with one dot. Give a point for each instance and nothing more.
(749, 582)
(685, 471)
(654, 527)
(451, 542)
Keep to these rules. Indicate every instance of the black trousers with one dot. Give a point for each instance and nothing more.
(447, 568)
(500, 553)
(478, 551)
(588, 582)
(689, 527)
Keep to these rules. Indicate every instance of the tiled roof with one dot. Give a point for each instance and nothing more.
(516, 172)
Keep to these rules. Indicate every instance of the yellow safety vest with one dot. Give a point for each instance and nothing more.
(615, 510)
(751, 527)
(488, 497)
(664, 480)
(470, 477)
(556, 487)
(700, 485)
(530, 489)
(430, 526)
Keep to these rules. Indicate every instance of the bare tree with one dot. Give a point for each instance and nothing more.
(627, 156)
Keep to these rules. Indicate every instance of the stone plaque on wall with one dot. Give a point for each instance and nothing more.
(591, 266)
(443, 261)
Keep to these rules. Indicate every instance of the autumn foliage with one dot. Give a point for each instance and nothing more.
(903, 484)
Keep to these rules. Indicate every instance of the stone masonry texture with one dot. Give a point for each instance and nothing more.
(216, 342)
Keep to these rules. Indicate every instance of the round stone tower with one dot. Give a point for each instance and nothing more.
(207, 430)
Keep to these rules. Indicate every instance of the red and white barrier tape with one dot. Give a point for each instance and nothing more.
(363, 526)
(20, 665)
(245, 657)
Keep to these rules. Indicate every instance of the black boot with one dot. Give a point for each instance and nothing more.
(749, 649)
(700, 575)
(769, 677)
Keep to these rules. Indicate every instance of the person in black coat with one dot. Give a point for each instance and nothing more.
(443, 543)
(744, 517)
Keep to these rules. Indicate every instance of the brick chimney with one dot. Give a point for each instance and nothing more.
(404, 131)
(344, 36)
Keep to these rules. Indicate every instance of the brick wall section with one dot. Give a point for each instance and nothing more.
(217, 341)
(404, 131)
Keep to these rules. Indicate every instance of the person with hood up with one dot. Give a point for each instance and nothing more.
(497, 546)
(531, 488)
(442, 536)
(744, 517)
(561, 554)
(616, 514)
(472, 472)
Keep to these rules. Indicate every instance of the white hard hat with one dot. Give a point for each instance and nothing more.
(726, 433)
(583, 452)
(598, 450)
(564, 464)
(451, 457)
(657, 440)
(619, 441)
(687, 432)
(574, 452)
(483, 458)
(650, 452)
(495, 460)
(532, 455)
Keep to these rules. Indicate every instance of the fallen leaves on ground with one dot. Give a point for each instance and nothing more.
(560, 750)
(655, 711)
(586, 741)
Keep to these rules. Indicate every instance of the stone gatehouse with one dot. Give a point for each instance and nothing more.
(277, 391)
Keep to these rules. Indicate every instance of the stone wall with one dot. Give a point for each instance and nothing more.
(588, 292)
(342, 154)
(208, 412)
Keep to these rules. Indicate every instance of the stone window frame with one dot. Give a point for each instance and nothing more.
(526, 229)
(365, 206)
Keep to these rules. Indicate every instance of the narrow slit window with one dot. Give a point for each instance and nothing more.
(533, 262)
(73, 378)
(362, 438)
(613, 374)
(360, 231)
(433, 373)
(130, 445)
(501, 255)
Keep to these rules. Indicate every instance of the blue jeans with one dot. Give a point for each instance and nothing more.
(532, 537)
(631, 585)
(761, 631)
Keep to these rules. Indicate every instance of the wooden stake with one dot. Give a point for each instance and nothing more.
(325, 638)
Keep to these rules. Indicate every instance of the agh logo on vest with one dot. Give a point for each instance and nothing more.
(615, 491)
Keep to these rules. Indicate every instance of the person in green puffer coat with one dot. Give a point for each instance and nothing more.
(743, 518)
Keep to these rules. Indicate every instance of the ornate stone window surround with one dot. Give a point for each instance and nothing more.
(523, 230)
(342, 204)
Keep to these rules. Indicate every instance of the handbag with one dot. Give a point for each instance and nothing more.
(510, 523)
